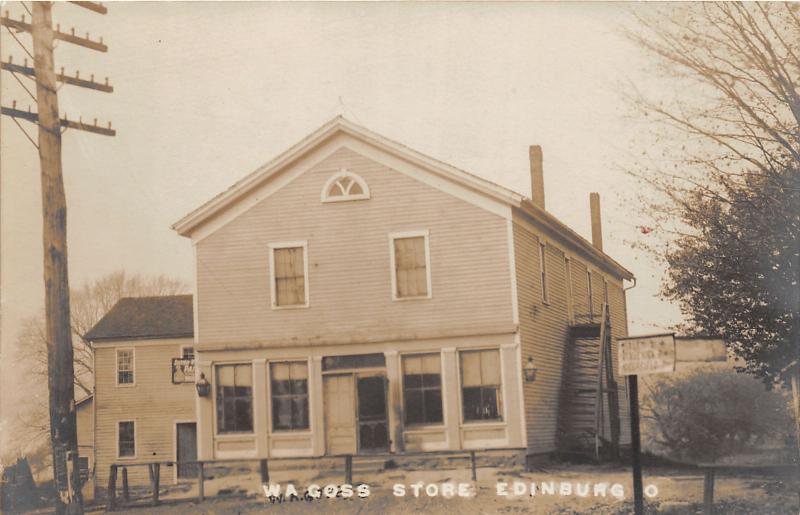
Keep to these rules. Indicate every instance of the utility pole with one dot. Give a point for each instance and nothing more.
(60, 370)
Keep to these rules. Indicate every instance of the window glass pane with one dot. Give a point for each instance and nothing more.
(188, 353)
(412, 365)
(353, 361)
(431, 364)
(472, 403)
(243, 375)
(225, 375)
(490, 367)
(281, 413)
(470, 368)
(280, 371)
(355, 189)
(433, 406)
(300, 412)
(414, 407)
(299, 370)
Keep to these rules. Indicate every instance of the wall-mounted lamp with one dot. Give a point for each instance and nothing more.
(203, 386)
(529, 370)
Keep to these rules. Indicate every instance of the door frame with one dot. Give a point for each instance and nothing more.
(175, 444)
(373, 373)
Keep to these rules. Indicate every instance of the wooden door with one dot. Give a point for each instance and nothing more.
(340, 414)
(186, 436)
(373, 424)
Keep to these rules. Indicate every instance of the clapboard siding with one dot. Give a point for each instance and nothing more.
(154, 403)
(544, 327)
(348, 262)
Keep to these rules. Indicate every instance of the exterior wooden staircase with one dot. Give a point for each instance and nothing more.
(589, 422)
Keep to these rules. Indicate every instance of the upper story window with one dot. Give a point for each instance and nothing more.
(568, 274)
(344, 186)
(543, 270)
(411, 267)
(187, 352)
(125, 367)
(289, 275)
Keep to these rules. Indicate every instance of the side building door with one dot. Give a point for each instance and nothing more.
(186, 448)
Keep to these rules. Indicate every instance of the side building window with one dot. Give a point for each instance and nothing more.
(126, 439)
(234, 385)
(422, 389)
(543, 270)
(589, 294)
(289, 271)
(125, 367)
(289, 392)
(410, 266)
(481, 390)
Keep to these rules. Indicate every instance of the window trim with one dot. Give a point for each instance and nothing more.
(590, 293)
(325, 198)
(116, 367)
(543, 276)
(272, 429)
(232, 434)
(503, 420)
(392, 265)
(272, 289)
(422, 425)
(135, 444)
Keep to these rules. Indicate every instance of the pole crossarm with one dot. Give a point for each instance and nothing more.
(80, 125)
(70, 37)
(61, 77)
(92, 6)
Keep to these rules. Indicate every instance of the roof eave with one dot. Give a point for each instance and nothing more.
(121, 338)
(186, 225)
(528, 207)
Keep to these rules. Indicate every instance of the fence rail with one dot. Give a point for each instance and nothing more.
(154, 469)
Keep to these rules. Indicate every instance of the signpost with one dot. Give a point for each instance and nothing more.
(657, 354)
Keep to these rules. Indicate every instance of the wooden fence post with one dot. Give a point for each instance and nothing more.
(348, 469)
(264, 467)
(155, 473)
(708, 491)
(201, 486)
(125, 493)
(474, 465)
(112, 488)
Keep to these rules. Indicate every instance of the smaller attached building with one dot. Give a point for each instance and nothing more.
(144, 395)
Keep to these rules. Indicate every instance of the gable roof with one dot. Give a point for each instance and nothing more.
(186, 225)
(146, 318)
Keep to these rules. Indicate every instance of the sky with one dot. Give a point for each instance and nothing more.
(204, 93)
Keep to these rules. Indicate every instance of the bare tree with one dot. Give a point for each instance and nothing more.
(723, 163)
(88, 305)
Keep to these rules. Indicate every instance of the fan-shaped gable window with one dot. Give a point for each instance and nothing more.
(344, 186)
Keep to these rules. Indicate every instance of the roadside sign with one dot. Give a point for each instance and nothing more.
(642, 355)
(182, 370)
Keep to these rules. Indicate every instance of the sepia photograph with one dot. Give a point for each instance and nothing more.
(396, 257)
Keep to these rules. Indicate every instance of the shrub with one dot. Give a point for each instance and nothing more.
(708, 414)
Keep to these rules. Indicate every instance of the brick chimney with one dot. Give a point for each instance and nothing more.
(597, 226)
(537, 175)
